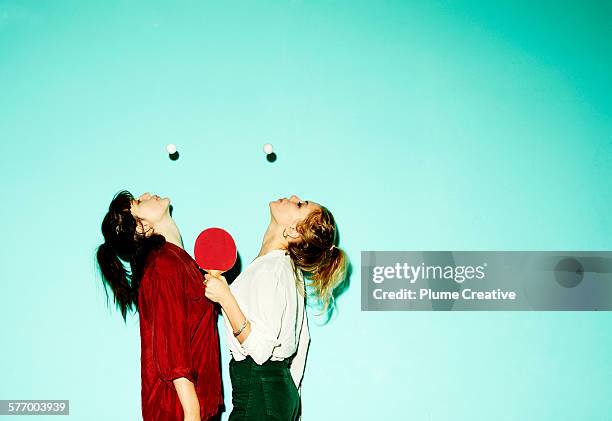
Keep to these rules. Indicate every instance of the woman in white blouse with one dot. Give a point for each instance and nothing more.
(265, 317)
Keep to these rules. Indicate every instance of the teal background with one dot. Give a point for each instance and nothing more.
(428, 125)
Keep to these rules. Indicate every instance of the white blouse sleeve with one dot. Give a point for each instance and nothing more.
(267, 304)
(299, 361)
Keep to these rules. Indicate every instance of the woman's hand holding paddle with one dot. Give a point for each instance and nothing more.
(215, 252)
(217, 289)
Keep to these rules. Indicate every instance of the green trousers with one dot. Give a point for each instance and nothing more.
(263, 392)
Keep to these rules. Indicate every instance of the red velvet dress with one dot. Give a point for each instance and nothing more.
(178, 336)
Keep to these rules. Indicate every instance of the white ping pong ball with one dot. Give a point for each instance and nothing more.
(268, 148)
(171, 148)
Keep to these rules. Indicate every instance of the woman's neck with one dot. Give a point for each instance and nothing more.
(168, 228)
(273, 240)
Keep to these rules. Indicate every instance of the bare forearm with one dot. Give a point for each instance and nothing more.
(188, 397)
(236, 317)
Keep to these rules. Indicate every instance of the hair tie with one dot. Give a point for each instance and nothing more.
(332, 247)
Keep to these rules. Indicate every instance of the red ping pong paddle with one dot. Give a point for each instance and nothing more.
(215, 250)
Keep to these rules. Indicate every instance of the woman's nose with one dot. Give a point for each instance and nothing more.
(295, 197)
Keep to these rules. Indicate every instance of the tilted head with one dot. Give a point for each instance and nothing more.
(310, 231)
(128, 231)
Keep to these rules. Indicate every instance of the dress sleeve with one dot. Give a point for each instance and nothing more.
(268, 302)
(170, 328)
(299, 361)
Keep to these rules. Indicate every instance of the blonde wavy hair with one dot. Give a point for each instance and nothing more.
(317, 255)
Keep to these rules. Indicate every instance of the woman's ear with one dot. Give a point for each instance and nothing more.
(142, 227)
(293, 232)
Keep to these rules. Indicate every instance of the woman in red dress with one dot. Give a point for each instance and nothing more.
(180, 365)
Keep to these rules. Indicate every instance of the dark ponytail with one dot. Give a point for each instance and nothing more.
(123, 243)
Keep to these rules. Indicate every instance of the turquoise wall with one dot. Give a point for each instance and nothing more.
(427, 125)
